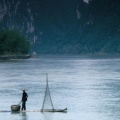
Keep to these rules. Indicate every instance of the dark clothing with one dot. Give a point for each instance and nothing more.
(24, 96)
(24, 105)
(24, 99)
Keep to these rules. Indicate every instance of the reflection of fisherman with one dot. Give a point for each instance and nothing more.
(24, 99)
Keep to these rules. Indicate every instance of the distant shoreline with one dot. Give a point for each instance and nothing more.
(92, 56)
(14, 57)
(27, 56)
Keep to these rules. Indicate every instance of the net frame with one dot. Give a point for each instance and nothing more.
(47, 91)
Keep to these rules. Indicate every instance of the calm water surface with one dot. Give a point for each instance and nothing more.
(89, 88)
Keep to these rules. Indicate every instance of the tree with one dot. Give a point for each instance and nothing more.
(13, 42)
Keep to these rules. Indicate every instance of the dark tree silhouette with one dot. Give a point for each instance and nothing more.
(12, 42)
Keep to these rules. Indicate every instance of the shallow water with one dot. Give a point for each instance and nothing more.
(89, 88)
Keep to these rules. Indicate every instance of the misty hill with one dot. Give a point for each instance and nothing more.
(65, 26)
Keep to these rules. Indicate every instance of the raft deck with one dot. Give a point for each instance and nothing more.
(45, 110)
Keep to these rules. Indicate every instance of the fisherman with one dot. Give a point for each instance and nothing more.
(24, 99)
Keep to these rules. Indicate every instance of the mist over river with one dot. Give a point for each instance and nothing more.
(88, 87)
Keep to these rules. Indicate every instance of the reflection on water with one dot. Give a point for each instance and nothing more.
(19, 115)
(15, 113)
(47, 116)
(24, 116)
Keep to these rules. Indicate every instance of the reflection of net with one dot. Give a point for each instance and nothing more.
(47, 103)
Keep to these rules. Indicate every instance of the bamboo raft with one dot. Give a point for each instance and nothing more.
(47, 110)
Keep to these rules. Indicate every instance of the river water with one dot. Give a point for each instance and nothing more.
(88, 87)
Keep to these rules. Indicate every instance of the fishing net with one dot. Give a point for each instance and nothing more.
(47, 102)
